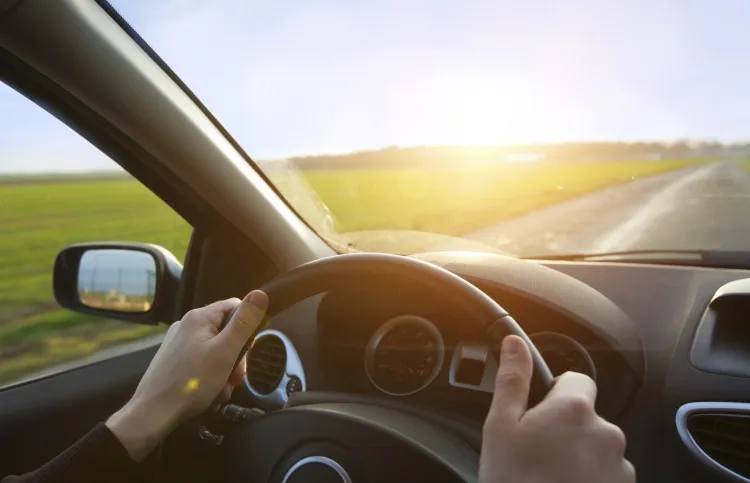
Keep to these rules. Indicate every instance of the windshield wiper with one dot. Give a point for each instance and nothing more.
(702, 258)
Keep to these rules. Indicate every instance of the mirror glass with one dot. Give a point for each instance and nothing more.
(118, 280)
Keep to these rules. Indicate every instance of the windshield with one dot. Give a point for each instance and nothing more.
(527, 128)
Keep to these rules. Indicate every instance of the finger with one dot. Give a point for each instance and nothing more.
(212, 314)
(220, 309)
(613, 440)
(574, 385)
(628, 472)
(512, 381)
(246, 319)
(237, 377)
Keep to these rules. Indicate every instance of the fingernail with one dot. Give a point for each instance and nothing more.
(510, 346)
(259, 299)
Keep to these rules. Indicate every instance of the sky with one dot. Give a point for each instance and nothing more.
(297, 77)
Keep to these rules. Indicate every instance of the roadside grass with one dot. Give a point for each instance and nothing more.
(37, 219)
(746, 165)
(456, 201)
(59, 337)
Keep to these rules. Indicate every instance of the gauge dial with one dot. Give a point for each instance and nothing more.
(404, 355)
(563, 354)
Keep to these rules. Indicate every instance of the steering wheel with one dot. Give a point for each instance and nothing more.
(333, 438)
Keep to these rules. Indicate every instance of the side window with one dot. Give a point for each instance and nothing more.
(57, 189)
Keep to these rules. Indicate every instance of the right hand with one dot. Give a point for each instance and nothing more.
(561, 440)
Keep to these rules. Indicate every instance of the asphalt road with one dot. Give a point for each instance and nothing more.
(706, 207)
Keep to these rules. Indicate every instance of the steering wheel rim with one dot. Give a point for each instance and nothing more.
(326, 273)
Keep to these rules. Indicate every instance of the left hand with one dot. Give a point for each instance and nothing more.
(194, 368)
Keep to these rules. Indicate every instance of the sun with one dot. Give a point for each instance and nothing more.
(468, 110)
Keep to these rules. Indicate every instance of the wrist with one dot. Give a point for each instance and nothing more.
(140, 427)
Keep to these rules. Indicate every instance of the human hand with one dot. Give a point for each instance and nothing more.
(195, 367)
(561, 440)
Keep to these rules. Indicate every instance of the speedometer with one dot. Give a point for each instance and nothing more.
(563, 354)
(404, 355)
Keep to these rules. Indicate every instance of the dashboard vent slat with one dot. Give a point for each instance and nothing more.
(266, 363)
(723, 437)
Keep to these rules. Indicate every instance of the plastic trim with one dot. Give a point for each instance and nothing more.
(478, 352)
(279, 397)
(686, 410)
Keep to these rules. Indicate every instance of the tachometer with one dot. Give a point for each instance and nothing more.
(563, 354)
(404, 355)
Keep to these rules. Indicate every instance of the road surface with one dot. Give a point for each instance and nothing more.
(705, 207)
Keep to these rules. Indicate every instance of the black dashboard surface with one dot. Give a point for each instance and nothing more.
(644, 369)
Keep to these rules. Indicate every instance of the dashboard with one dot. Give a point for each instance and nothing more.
(665, 345)
(398, 341)
(408, 345)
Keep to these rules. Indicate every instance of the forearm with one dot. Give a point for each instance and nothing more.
(140, 427)
(98, 456)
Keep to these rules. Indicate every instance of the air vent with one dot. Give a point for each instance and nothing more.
(723, 437)
(266, 363)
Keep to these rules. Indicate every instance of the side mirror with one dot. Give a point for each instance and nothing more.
(135, 282)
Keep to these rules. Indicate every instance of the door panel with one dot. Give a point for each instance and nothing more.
(39, 419)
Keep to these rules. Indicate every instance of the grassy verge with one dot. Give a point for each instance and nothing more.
(37, 219)
(31, 345)
(460, 200)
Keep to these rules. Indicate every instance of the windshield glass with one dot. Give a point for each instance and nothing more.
(527, 128)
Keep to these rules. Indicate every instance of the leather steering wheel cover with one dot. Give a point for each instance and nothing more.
(341, 270)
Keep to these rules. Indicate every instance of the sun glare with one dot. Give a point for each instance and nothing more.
(470, 110)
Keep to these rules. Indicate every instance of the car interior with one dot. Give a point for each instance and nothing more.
(667, 345)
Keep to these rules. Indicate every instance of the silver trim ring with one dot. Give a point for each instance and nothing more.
(686, 410)
(321, 460)
(406, 319)
(279, 397)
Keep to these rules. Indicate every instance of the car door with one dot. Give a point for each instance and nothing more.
(62, 372)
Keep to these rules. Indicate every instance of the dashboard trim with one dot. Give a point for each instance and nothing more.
(686, 410)
(381, 331)
(478, 352)
(279, 397)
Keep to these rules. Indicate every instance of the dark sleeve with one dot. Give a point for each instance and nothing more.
(97, 457)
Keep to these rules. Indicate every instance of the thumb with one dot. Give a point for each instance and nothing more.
(512, 381)
(245, 319)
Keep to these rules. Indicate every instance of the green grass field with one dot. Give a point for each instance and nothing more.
(458, 201)
(37, 219)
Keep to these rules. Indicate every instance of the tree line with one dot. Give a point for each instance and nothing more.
(558, 152)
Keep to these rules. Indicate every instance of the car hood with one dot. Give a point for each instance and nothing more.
(406, 242)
